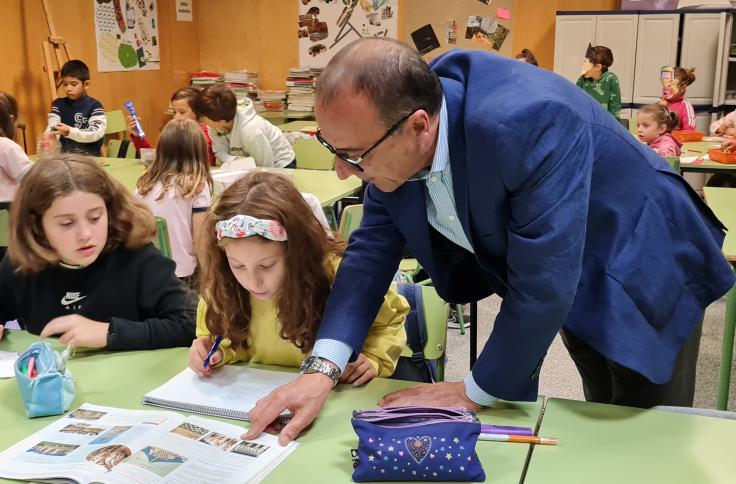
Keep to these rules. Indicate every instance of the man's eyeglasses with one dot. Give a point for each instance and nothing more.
(356, 161)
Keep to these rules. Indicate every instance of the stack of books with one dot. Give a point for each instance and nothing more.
(243, 83)
(271, 102)
(205, 78)
(300, 93)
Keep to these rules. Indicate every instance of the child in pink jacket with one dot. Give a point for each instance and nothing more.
(673, 96)
(655, 129)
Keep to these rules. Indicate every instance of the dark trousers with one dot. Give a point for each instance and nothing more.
(605, 381)
(292, 164)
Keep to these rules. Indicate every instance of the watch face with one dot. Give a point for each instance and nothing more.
(306, 364)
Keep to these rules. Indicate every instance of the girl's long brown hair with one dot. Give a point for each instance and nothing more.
(130, 223)
(309, 261)
(182, 161)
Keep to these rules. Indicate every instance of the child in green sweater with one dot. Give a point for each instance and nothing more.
(598, 81)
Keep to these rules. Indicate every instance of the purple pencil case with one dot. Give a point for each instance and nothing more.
(416, 444)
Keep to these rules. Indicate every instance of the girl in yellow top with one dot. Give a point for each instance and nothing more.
(269, 267)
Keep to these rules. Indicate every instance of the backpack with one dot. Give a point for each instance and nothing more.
(415, 367)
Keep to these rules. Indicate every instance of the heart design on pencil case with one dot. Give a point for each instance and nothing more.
(418, 447)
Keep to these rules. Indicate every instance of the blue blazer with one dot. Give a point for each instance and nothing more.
(573, 222)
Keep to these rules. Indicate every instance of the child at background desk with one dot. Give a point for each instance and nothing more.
(600, 83)
(269, 267)
(180, 104)
(673, 97)
(238, 132)
(14, 162)
(726, 126)
(655, 129)
(177, 186)
(78, 119)
(80, 263)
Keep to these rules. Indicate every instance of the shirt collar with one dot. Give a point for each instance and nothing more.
(441, 159)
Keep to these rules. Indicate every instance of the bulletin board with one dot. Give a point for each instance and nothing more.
(492, 30)
(325, 26)
(127, 35)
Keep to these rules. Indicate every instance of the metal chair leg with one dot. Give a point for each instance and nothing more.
(729, 326)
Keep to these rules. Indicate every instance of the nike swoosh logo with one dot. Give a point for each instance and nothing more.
(66, 302)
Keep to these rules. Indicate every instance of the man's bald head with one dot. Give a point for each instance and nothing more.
(393, 75)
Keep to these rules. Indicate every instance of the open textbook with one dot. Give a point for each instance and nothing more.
(230, 391)
(95, 444)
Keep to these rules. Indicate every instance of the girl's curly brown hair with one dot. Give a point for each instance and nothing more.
(309, 259)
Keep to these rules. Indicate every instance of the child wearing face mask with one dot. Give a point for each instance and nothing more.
(600, 83)
(80, 263)
(673, 96)
(656, 123)
(269, 267)
(180, 104)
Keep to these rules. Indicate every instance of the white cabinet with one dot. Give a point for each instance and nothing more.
(700, 49)
(619, 33)
(656, 47)
(572, 35)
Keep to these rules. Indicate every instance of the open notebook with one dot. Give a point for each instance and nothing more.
(230, 391)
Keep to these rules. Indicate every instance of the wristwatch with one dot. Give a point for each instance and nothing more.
(315, 364)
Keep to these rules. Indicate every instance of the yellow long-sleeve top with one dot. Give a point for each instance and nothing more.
(382, 346)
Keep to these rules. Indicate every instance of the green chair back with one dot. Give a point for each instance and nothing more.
(161, 242)
(113, 149)
(4, 227)
(674, 162)
(115, 122)
(350, 219)
(311, 155)
(435, 314)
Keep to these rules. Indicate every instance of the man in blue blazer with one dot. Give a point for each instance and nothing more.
(504, 178)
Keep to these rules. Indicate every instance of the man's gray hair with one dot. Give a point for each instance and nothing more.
(393, 76)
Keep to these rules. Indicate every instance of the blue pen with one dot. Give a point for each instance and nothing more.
(504, 429)
(215, 345)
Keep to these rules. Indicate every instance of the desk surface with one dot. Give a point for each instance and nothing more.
(306, 126)
(723, 203)
(323, 184)
(610, 444)
(701, 147)
(120, 379)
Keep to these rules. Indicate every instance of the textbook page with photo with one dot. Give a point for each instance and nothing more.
(108, 445)
(229, 392)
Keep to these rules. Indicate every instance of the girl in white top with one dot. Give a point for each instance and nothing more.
(14, 162)
(724, 126)
(177, 186)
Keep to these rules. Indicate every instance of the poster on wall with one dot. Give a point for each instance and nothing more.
(127, 35)
(325, 26)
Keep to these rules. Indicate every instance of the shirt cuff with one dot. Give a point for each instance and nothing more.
(476, 393)
(333, 350)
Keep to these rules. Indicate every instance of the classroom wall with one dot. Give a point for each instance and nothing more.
(534, 24)
(261, 35)
(22, 74)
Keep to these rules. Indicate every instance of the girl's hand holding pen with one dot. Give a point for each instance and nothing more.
(198, 354)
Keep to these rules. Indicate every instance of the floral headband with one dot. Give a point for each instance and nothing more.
(241, 226)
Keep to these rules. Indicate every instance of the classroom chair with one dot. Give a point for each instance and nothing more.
(435, 315)
(350, 220)
(116, 128)
(674, 162)
(4, 229)
(311, 155)
(161, 242)
(114, 146)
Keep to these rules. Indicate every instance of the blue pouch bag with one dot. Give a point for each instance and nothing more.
(416, 444)
(51, 391)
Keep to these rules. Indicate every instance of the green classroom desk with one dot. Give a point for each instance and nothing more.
(605, 444)
(323, 184)
(707, 166)
(299, 126)
(120, 379)
(723, 203)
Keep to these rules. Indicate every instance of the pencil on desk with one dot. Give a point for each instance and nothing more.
(521, 439)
